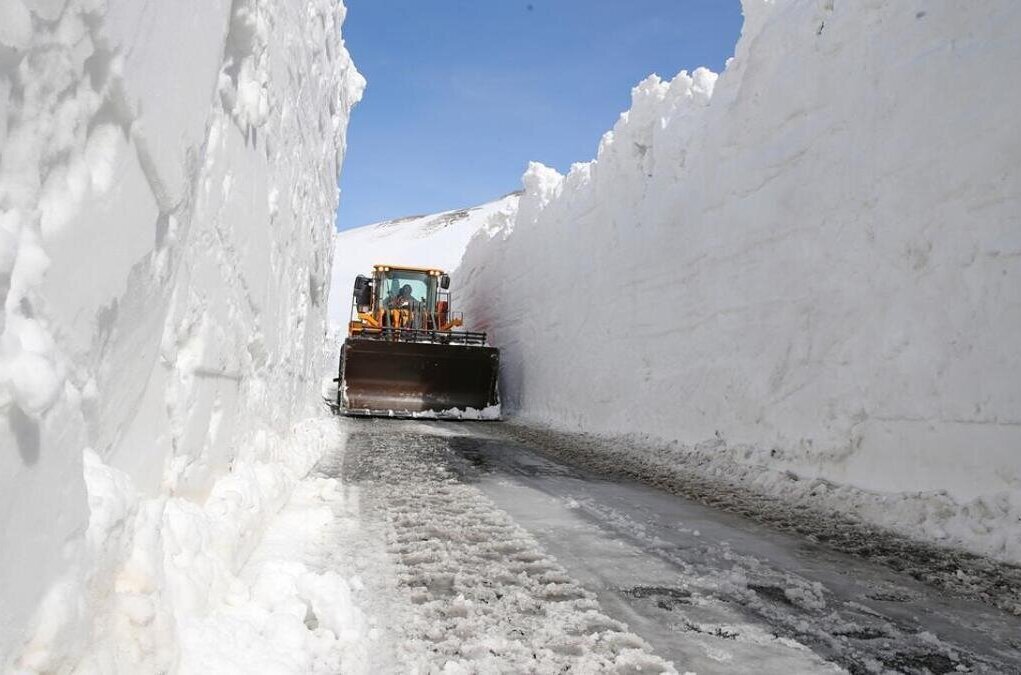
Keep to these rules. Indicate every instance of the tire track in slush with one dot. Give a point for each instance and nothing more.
(480, 594)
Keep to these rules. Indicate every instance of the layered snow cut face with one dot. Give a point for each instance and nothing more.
(808, 263)
(168, 178)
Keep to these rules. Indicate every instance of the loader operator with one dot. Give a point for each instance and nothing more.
(403, 299)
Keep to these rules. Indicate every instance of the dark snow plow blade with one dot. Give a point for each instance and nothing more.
(416, 379)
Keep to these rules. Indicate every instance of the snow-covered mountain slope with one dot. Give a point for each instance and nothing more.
(167, 194)
(810, 264)
(437, 240)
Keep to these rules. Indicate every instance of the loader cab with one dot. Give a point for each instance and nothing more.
(420, 286)
(401, 297)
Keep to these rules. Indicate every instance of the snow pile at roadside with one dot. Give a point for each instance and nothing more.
(178, 565)
(289, 610)
(437, 240)
(812, 262)
(167, 194)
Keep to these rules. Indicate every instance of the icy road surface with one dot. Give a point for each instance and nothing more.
(506, 559)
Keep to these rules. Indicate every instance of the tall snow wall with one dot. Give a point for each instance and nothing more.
(815, 258)
(168, 179)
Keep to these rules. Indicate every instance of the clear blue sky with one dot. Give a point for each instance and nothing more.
(463, 93)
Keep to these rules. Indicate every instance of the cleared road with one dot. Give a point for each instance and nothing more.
(474, 517)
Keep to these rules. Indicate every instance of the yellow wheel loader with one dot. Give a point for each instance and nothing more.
(404, 356)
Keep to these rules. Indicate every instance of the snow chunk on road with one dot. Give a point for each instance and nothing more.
(491, 412)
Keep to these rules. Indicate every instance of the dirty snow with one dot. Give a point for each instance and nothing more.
(807, 265)
(506, 559)
(478, 593)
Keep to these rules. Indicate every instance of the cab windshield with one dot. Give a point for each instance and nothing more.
(400, 284)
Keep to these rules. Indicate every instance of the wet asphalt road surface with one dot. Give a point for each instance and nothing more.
(709, 590)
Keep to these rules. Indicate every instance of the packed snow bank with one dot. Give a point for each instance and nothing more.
(815, 260)
(437, 240)
(158, 569)
(167, 193)
(289, 610)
